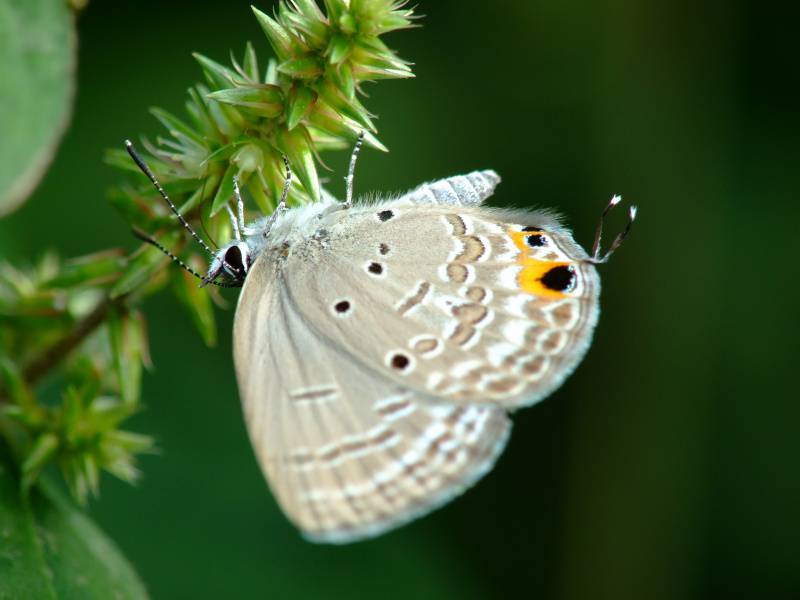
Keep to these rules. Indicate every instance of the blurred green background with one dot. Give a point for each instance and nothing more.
(667, 465)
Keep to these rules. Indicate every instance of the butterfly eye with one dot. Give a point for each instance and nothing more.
(234, 260)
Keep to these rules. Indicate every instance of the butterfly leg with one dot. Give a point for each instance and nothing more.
(234, 223)
(281, 206)
(348, 201)
(242, 227)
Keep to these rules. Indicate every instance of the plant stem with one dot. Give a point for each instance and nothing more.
(53, 355)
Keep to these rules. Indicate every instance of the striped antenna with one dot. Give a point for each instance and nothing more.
(146, 238)
(146, 170)
(595, 257)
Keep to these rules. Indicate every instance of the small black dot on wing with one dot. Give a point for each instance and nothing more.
(342, 307)
(400, 362)
(375, 268)
(385, 215)
(536, 240)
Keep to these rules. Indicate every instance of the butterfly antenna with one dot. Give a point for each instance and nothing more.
(621, 237)
(348, 200)
(615, 199)
(146, 238)
(146, 170)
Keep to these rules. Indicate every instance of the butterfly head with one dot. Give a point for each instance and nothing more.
(231, 262)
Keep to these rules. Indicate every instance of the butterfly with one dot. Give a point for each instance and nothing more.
(380, 346)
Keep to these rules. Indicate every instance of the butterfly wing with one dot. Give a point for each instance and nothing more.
(348, 452)
(450, 298)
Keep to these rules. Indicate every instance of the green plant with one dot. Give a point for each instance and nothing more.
(77, 322)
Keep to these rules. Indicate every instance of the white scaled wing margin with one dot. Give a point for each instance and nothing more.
(461, 190)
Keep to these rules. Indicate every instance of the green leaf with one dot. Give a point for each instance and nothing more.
(349, 107)
(250, 62)
(294, 144)
(301, 68)
(335, 9)
(393, 22)
(276, 35)
(37, 68)
(266, 101)
(348, 23)
(310, 10)
(306, 22)
(203, 192)
(142, 268)
(248, 158)
(87, 270)
(225, 190)
(201, 309)
(343, 77)
(197, 107)
(128, 339)
(218, 75)
(175, 126)
(50, 550)
(44, 448)
(259, 191)
(339, 49)
(225, 119)
(300, 100)
(14, 385)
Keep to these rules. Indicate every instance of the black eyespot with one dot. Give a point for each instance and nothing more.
(531, 228)
(400, 361)
(560, 279)
(383, 249)
(342, 306)
(375, 268)
(233, 258)
(385, 215)
(537, 239)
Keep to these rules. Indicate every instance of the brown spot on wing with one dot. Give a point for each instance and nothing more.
(563, 314)
(463, 334)
(457, 272)
(457, 223)
(470, 313)
(425, 345)
(473, 249)
(419, 295)
(476, 294)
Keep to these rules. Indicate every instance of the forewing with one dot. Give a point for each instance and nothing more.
(463, 302)
(348, 452)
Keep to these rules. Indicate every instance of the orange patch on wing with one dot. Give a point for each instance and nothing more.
(530, 277)
(519, 239)
(533, 269)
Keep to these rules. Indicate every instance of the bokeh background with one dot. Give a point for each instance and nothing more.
(667, 465)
